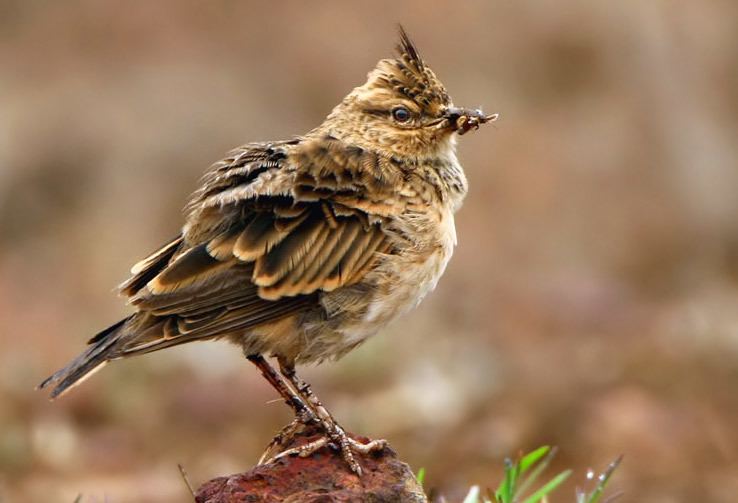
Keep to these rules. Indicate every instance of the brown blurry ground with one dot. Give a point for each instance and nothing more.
(591, 304)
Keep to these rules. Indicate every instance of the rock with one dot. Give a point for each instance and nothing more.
(323, 477)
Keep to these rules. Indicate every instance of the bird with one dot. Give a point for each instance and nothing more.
(301, 249)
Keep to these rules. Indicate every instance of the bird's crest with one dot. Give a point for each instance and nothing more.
(410, 76)
(408, 52)
(415, 79)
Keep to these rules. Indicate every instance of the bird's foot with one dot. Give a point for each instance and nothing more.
(310, 412)
(338, 440)
(285, 437)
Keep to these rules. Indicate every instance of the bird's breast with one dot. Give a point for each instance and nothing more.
(424, 243)
(405, 278)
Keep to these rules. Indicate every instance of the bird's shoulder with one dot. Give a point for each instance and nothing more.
(319, 168)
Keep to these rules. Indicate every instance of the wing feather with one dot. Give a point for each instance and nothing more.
(194, 265)
(145, 270)
(244, 262)
(272, 228)
(284, 258)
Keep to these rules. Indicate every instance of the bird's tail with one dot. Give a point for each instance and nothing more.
(94, 358)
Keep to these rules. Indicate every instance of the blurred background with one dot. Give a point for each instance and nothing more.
(591, 303)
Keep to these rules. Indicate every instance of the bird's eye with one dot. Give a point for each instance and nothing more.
(401, 114)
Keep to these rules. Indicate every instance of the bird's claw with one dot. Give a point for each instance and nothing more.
(286, 434)
(338, 440)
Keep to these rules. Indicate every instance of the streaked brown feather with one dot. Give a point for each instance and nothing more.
(359, 249)
(306, 278)
(289, 210)
(146, 269)
(379, 246)
(206, 304)
(352, 230)
(248, 317)
(221, 247)
(264, 233)
(258, 237)
(193, 266)
(176, 329)
(234, 280)
(271, 254)
(285, 257)
(291, 285)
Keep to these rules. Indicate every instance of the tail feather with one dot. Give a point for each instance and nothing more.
(97, 354)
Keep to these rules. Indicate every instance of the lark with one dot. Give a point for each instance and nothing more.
(302, 249)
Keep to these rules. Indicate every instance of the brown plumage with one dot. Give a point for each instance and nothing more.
(302, 249)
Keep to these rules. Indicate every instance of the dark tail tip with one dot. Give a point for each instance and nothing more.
(93, 358)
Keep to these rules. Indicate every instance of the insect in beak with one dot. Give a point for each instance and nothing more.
(462, 120)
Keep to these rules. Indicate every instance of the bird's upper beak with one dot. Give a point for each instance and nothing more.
(462, 120)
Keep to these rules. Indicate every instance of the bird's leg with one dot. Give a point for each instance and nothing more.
(304, 413)
(334, 432)
(292, 399)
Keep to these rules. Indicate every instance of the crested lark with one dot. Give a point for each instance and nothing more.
(301, 249)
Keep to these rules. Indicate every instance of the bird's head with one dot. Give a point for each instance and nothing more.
(402, 109)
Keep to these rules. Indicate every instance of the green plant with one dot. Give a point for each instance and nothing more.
(421, 476)
(521, 475)
(599, 489)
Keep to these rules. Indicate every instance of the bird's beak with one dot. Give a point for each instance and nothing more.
(462, 120)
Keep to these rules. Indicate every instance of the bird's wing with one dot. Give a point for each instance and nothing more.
(271, 227)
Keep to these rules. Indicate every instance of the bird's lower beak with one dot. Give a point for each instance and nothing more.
(462, 120)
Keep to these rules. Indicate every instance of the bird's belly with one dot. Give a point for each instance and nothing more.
(400, 281)
(407, 279)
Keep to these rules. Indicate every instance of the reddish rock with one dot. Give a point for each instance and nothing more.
(322, 477)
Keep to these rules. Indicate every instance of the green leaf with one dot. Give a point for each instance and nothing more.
(550, 486)
(421, 476)
(506, 490)
(532, 458)
(536, 471)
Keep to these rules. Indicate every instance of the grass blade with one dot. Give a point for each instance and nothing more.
(532, 458)
(537, 470)
(508, 487)
(550, 486)
(603, 479)
(421, 476)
